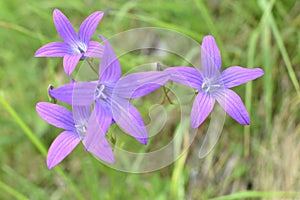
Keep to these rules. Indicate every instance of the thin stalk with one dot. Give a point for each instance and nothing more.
(13, 192)
(91, 66)
(207, 17)
(248, 100)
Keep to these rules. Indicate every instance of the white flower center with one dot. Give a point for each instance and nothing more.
(79, 48)
(81, 128)
(211, 85)
(101, 93)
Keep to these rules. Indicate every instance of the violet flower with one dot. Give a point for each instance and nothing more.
(214, 86)
(74, 47)
(78, 127)
(110, 94)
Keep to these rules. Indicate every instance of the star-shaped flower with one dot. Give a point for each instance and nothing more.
(74, 47)
(214, 86)
(110, 94)
(78, 126)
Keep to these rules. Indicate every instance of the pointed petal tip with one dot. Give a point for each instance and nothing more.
(50, 166)
(50, 163)
(260, 71)
(194, 125)
(104, 39)
(206, 37)
(143, 141)
(246, 121)
(110, 160)
(56, 11)
(99, 13)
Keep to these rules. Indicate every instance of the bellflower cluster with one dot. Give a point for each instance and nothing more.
(97, 104)
(110, 93)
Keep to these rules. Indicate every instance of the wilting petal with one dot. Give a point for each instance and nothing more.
(129, 119)
(53, 49)
(61, 147)
(56, 115)
(202, 107)
(234, 76)
(70, 62)
(95, 141)
(110, 69)
(210, 57)
(89, 26)
(234, 106)
(140, 84)
(188, 76)
(95, 50)
(64, 27)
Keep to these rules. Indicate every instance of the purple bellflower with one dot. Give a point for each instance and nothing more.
(78, 126)
(214, 86)
(74, 47)
(110, 94)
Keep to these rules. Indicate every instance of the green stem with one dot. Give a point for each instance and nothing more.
(91, 65)
(12, 191)
(250, 62)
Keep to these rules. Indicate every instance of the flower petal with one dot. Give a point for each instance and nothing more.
(81, 114)
(61, 147)
(110, 69)
(210, 56)
(78, 93)
(56, 115)
(64, 27)
(95, 50)
(129, 119)
(187, 76)
(103, 116)
(89, 26)
(202, 107)
(53, 49)
(233, 105)
(140, 84)
(95, 141)
(63, 93)
(84, 93)
(70, 62)
(234, 76)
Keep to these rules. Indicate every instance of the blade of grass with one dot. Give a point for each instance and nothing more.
(268, 78)
(209, 22)
(90, 176)
(12, 191)
(177, 180)
(162, 24)
(25, 185)
(258, 194)
(22, 125)
(282, 48)
(37, 143)
(22, 30)
(248, 94)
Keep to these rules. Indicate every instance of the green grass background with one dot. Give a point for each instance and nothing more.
(260, 161)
